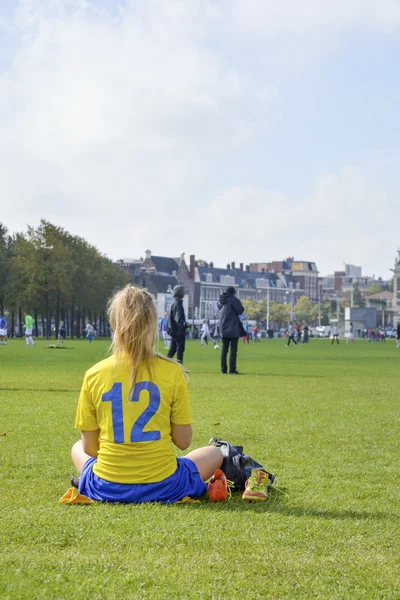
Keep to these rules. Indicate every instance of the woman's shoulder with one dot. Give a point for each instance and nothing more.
(163, 363)
(101, 366)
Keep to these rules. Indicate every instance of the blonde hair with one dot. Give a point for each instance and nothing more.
(132, 315)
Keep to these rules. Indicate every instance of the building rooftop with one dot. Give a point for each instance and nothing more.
(164, 264)
(385, 295)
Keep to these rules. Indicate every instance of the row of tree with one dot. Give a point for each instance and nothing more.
(56, 277)
(279, 314)
(304, 310)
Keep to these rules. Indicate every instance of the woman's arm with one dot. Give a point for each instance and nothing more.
(181, 435)
(90, 442)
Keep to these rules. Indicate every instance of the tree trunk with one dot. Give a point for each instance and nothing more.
(57, 318)
(12, 323)
(78, 324)
(20, 322)
(35, 316)
(48, 324)
(72, 321)
(83, 322)
(43, 326)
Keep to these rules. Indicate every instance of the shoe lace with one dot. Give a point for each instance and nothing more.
(259, 482)
(231, 486)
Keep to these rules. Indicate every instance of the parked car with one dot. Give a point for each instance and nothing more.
(390, 332)
(323, 331)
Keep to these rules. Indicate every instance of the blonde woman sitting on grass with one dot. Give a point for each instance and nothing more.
(133, 407)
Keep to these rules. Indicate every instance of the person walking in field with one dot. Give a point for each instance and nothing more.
(291, 335)
(165, 336)
(29, 322)
(231, 328)
(350, 335)
(205, 333)
(134, 407)
(335, 334)
(255, 334)
(176, 326)
(3, 330)
(90, 332)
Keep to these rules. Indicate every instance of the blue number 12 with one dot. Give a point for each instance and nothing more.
(137, 434)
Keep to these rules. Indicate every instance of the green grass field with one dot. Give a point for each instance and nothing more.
(324, 419)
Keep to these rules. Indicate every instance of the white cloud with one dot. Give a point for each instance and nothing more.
(341, 219)
(268, 17)
(113, 118)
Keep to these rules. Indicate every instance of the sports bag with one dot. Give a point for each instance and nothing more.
(237, 465)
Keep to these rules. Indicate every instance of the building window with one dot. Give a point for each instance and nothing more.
(227, 280)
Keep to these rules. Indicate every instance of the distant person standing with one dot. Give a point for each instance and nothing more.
(62, 333)
(291, 335)
(164, 334)
(398, 335)
(255, 334)
(350, 335)
(90, 332)
(231, 328)
(29, 322)
(205, 334)
(335, 334)
(176, 325)
(3, 330)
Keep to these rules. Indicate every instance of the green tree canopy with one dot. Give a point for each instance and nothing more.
(279, 314)
(374, 289)
(303, 309)
(358, 300)
(255, 309)
(54, 274)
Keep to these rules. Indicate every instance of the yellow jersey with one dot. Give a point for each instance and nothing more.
(135, 444)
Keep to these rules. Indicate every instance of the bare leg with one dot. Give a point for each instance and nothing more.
(207, 460)
(79, 456)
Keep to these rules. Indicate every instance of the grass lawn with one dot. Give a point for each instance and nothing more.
(324, 419)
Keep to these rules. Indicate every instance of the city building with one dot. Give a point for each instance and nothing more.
(210, 282)
(383, 303)
(160, 274)
(303, 272)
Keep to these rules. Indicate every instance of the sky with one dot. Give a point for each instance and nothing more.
(234, 130)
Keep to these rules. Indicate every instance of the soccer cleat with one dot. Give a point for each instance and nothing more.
(257, 486)
(217, 488)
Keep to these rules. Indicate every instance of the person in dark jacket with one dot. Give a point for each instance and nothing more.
(176, 325)
(230, 327)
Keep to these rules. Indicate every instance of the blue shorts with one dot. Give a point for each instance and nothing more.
(186, 481)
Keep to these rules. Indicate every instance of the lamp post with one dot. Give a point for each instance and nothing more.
(319, 309)
(268, 306)
(291, 304)
(337, 308)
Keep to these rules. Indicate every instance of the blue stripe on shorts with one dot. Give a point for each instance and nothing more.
(186, 481)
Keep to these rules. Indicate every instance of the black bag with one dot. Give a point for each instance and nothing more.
(243, 332)
(237, 466)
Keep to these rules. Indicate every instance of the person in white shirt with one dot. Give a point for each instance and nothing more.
(350, 335)
(205, 334)
(90, 332)
(291, 335)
